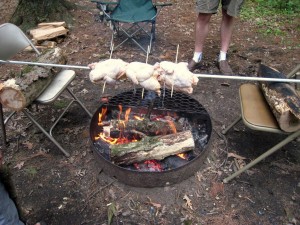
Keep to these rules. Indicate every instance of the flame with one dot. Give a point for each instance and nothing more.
(120, 112)
(114, 141)
(102, 115)
(138, 117)
(182, 155)
(172, 126)
(127, 112)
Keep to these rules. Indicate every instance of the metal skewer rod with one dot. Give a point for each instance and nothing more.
(248, 78)
(43, 64)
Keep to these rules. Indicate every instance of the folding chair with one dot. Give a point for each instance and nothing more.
(257, 115)
(13, 41)
(138, 14)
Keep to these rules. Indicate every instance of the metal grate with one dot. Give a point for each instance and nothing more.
(179, 102)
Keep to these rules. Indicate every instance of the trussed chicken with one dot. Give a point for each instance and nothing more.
(177, 76)
(151, 84)
(108, 71)
(138, 72)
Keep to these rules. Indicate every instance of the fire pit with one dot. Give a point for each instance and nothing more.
(121, 125)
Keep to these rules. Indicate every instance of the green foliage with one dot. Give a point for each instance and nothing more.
(284, 6)
(271, 16)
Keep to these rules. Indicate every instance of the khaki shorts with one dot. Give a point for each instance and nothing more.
(233, 7)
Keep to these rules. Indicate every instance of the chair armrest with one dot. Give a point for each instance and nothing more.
(104, 2)
(162, 4)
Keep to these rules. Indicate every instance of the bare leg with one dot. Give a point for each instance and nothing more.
(202, 28)
(226, 30)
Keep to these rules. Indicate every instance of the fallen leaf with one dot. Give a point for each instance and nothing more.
(216, 189)
(28, 145)
(111, 212)
(20, 165)
(231, 154)
(188, 202)
(157, 205)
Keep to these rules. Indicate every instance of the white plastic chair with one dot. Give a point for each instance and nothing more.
(13, 41)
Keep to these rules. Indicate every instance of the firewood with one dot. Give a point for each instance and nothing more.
(17, 93)
(156, 147)
(53, 24)
(146, 126)
(282, 98)
(47, 32)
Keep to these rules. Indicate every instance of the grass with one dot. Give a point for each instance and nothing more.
(270, 19)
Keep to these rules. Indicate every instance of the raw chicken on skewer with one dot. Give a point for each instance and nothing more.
(108, 71)
(178, 76)
(144, 75)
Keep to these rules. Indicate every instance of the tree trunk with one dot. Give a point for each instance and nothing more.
(282, 98)
(157, 147)
(31, 12)
(17, 93)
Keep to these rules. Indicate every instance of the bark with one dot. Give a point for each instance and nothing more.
(31, 12)
(157, 147)
(282, 98)
(17, 93)
(146, 126)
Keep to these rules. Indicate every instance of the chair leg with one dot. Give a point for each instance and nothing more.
(3, 131)
(231, 125)
(263, 156)
(46, 133)
(75, 99)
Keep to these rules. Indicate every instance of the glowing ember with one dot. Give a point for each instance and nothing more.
(149, 165)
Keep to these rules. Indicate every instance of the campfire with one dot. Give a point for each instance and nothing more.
(150, 135)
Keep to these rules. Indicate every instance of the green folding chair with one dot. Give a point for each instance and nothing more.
(131, 18)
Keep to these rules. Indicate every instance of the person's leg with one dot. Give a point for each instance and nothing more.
(8, 211)
(226, 30)
(226, 33)
(201, 31)
(205, 9)
(230, 10)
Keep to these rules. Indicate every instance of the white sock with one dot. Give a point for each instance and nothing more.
(222, 56)
(197, 56)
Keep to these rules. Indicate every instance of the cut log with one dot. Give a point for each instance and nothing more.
(282, 98)
(47, 32)
(17, 93)
(146, 126)
(53, 24)
(148, 148)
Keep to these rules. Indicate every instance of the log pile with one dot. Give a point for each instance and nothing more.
(19, 92)
(282, 98)
(47, 31)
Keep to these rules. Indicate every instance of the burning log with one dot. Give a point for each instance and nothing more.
(156, 147)
(282, 98)
(146, 126)
(19, 92)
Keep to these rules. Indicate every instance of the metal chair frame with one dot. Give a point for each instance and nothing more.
(13, 41)
(269, 126)
(130, 35)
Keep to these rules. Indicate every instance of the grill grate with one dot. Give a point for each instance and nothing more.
(179, 102)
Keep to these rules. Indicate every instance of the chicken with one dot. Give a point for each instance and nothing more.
(144, 75)
(177, 76)
(138, 72)
(108, 71)
(151, 84)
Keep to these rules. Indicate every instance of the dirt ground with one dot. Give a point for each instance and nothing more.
(74, 190)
